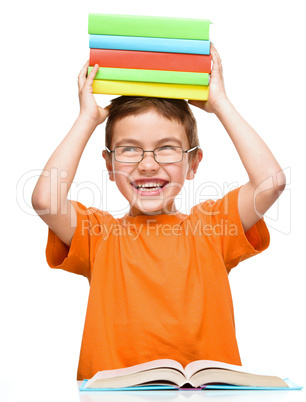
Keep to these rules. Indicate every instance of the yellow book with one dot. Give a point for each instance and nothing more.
(131, 88)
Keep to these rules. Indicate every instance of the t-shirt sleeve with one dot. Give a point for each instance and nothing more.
(220, 221)
(79, 257)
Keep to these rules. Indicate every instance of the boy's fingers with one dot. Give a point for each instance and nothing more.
(214, 53)
(82, 75)
(107, 109)
(92, 74)
(198, 103)
(217, 64)
(217, 55)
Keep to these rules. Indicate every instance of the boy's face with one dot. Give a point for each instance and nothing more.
(149, 131)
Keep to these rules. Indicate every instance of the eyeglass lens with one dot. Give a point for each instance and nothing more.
(163, 154)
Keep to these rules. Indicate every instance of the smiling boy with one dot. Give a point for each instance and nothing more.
(160, 169)
(158, 278)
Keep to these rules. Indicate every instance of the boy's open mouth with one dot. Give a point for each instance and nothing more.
(149, 186)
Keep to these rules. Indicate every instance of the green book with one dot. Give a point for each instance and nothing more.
(147, 26)
(161, 76)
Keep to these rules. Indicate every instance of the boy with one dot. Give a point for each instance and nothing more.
(158, 278)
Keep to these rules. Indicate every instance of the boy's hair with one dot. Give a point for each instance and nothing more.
(172, 109)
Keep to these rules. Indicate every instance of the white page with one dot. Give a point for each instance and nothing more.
(197, 365)
(140, 367)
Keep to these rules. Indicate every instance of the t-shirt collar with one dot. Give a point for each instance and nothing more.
(170, 219)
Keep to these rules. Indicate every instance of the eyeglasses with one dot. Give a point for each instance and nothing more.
(166, 154)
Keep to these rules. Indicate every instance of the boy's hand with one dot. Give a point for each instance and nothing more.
(88, 105)
(216, 85)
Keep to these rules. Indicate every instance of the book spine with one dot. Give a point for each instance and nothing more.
(196, 63)
(194, 92)
(147, 26)
(149, 44)
(138, 75)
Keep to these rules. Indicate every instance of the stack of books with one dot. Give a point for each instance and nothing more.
(150, 56)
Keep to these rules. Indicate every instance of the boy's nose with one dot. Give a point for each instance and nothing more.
(148, 162)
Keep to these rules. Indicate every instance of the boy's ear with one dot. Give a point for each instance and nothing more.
(194, 165)
(109, 166)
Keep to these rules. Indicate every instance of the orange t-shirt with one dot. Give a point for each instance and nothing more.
(158, 284)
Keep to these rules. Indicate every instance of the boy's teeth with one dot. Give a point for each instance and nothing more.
(155, 185)
(148, 188)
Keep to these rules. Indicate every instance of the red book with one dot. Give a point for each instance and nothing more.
(196, 63)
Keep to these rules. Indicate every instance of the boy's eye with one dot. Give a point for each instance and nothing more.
(168, 150)
(167, 147)
(129, 149)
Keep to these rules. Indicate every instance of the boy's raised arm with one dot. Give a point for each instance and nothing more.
(266, 178)
(49, 198)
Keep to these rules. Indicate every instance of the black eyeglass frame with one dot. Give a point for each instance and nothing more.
(143, 152)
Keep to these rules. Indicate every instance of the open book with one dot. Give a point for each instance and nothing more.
(168, 372)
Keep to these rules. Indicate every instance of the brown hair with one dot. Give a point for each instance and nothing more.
(172, 109)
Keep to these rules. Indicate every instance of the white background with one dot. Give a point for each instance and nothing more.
(44, 45)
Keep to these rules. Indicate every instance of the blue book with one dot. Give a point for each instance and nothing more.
(291, 386)
(168, 374)
(190, 46)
